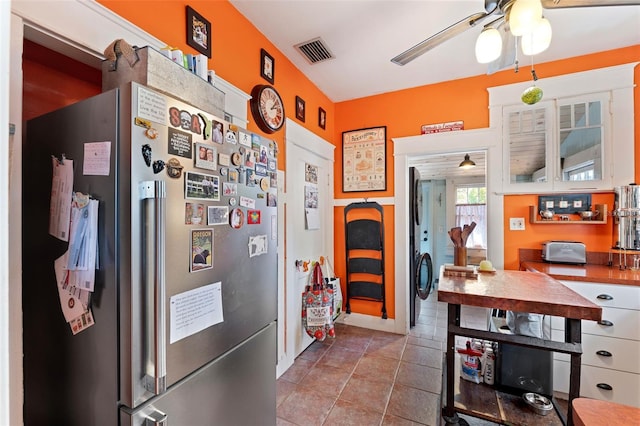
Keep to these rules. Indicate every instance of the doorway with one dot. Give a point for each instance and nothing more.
(408, 152)
(309, 231)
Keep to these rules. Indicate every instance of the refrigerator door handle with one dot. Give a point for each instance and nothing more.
(156, 418)
(153, 194)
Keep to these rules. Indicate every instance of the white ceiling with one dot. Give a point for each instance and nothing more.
(364, 35)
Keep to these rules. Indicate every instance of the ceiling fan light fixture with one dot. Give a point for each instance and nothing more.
(537, 41)
(467, 163)
(524, 16)
(488, 45)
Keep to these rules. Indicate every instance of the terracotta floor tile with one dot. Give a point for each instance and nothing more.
(326, 380)
(423, 330)
(283, 390)
(341, 358)
(420, 377)
(347, 414)
(363, 392)
(305, 407)
(423, 356)
(369, 377)
(427, 343)
(353, 341)
(283, 422)
(377, 368)
(297, 371)
(314, 352)
(387, 347)
(415, 405)
(390, 420)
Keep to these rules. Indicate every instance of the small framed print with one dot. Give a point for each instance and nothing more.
(198, 32)
(300, 111)
(322, 118)
(200, 186)
(217, 215)
(267, 66)
(194, 214)
(206, 157)
(201, 249)
(253, 217)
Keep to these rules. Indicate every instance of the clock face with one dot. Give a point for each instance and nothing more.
(267, 108)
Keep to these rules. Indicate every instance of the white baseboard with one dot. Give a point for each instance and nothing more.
(368, 321)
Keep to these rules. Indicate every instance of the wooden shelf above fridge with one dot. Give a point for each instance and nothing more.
(572, 219)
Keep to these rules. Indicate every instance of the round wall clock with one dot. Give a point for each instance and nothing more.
(267, 108)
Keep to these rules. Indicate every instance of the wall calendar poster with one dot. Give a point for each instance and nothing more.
(364, 160)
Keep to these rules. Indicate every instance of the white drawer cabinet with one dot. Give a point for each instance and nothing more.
(595, 383)
(616, 322)
(608, 295)
(610, 349)
(605, 352)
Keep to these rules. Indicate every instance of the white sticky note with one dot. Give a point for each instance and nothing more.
(195, 310)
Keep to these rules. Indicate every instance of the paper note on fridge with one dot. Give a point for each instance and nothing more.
(97, 159)
(61, 189)
(72, 306)
(195, 310)
(83, 240)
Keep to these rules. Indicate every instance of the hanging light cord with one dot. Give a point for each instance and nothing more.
(517, 66)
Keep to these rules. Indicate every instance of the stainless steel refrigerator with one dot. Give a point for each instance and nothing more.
(177, 336)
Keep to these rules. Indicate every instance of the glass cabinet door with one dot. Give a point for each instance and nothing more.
(527, 134)
(581, 134)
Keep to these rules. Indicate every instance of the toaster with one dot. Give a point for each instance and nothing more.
(564, 252)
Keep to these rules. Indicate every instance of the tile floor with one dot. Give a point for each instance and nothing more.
(367, 377)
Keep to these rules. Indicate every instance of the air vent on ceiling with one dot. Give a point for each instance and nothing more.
(314, 50)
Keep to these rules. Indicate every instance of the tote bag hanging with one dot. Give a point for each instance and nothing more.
(317, 307)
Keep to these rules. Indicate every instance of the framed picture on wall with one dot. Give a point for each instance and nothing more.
(300, 108)
(322, 118)
(198, 32)
(364, 153)
(267, 66)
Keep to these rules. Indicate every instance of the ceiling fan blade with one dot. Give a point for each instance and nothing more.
(559, 4)
(438, 38)
(509, 46)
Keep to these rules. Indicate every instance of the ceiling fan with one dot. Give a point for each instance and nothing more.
(500, 10)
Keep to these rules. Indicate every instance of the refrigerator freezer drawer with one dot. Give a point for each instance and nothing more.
(238, 388)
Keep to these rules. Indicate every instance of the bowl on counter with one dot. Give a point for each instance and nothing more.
(538, 403)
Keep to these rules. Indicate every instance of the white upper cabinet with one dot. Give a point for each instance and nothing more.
(572, 138)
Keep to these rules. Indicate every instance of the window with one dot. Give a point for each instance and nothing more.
(471, 206)
(581, 135)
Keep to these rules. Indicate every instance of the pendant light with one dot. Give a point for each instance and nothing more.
(467, 163)
(524, 16)
(538, 40)
(488, 45)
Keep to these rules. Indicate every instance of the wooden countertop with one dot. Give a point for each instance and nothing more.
(521, 291)
(589, 273)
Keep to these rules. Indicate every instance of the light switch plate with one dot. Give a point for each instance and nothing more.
(516, 223)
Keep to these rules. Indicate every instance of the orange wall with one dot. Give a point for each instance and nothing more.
(597, 237)
(235, 55)
(404, 111)
(236, 58)
(52, 80)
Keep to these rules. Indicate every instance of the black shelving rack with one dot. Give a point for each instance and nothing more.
(364, 246)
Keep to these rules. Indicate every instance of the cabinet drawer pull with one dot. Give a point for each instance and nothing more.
(604, 386)
(606, 323)
(604, 353)
(604, 297)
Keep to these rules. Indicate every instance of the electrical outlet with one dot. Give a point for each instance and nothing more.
(516, 223)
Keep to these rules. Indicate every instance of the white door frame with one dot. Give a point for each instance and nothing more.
(289, 291)
(462, 141)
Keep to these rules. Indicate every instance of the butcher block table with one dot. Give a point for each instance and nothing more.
(519, 291)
